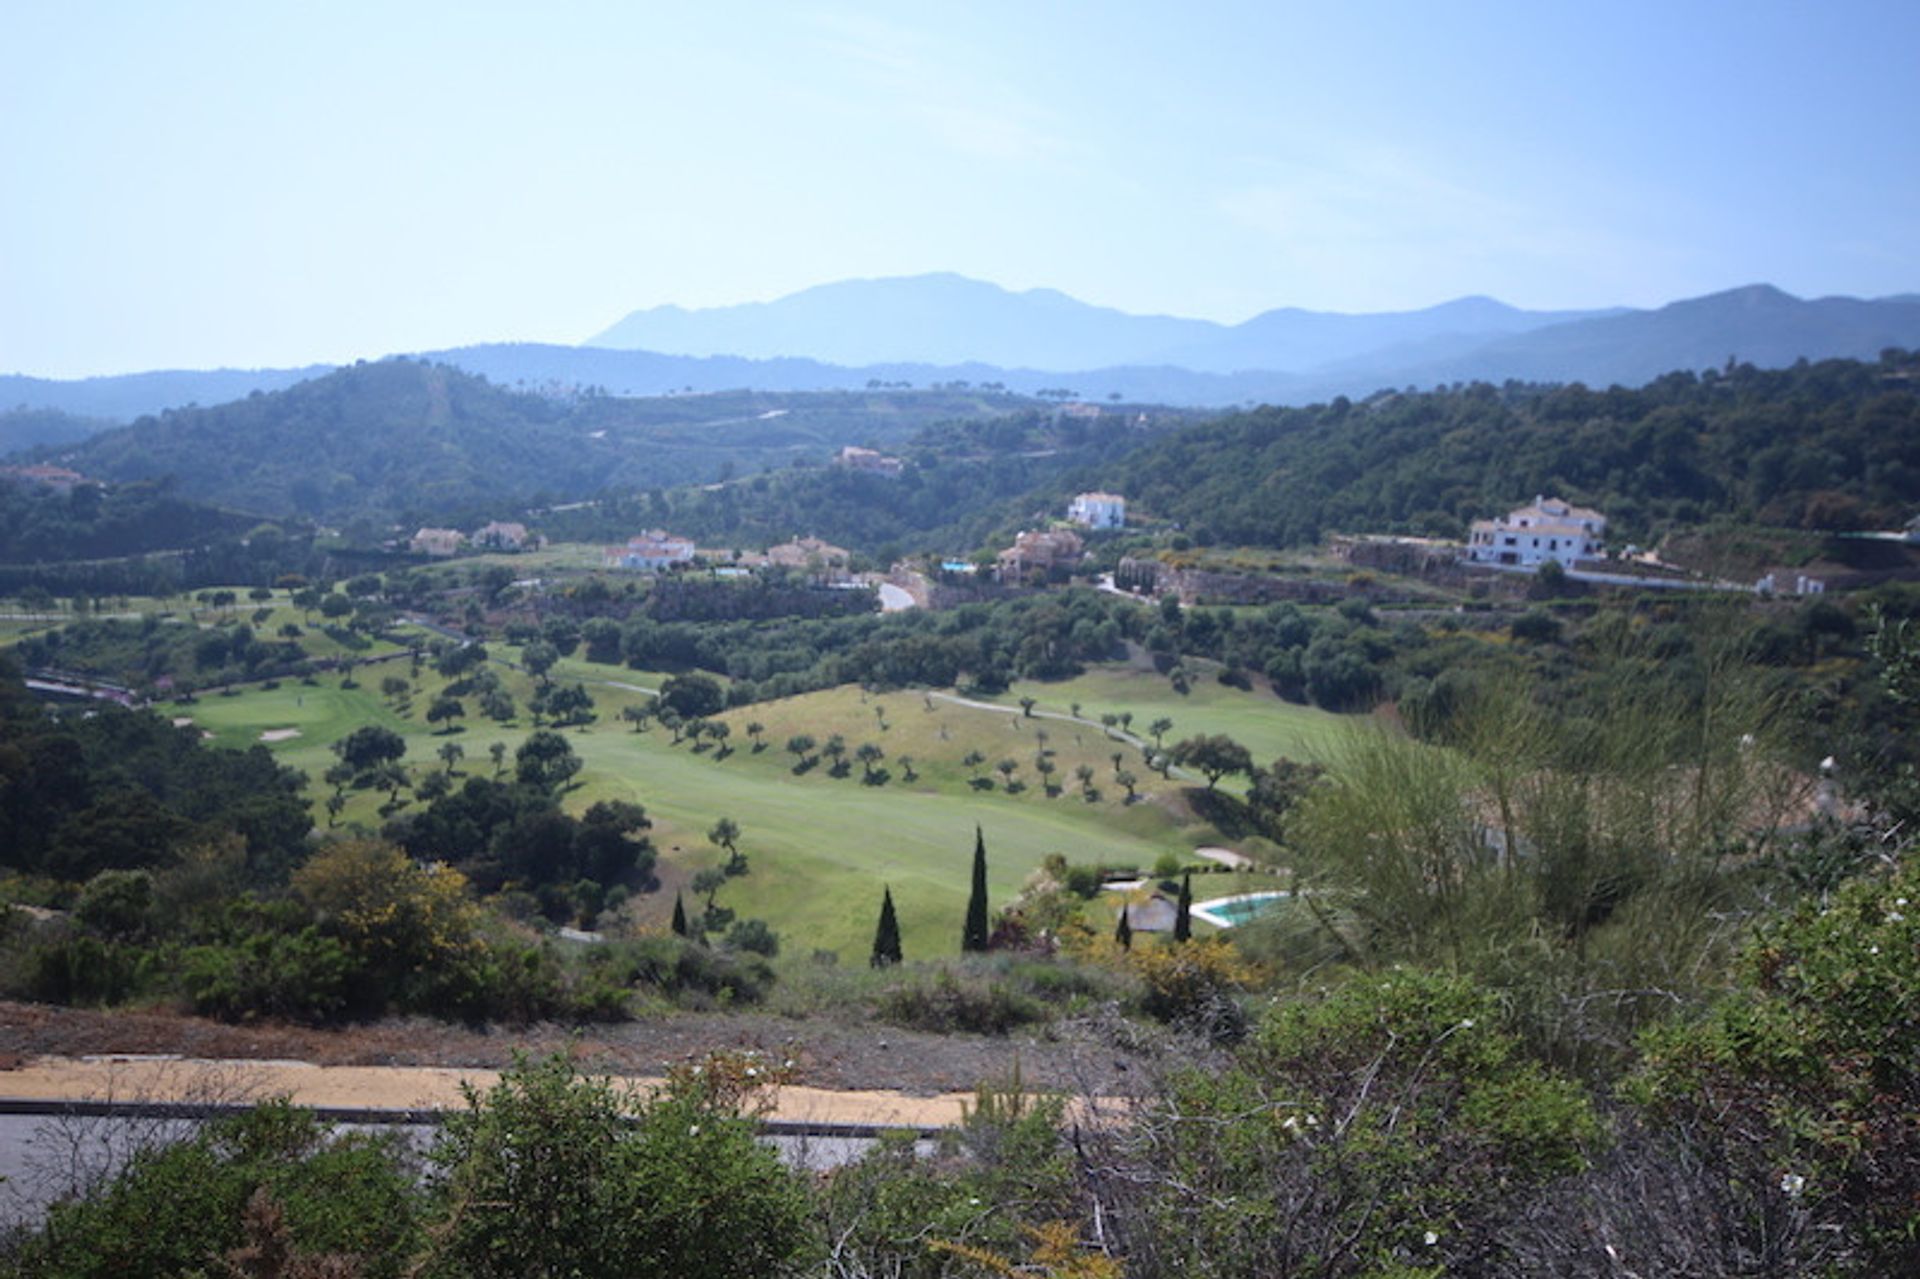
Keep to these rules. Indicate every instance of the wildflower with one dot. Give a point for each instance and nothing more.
(1431, 1238)
(1895, 917)
(1466, 1023)
(1792, 1183)
(694, 1131)
(1873, 950)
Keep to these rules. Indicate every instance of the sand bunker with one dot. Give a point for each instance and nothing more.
(279, 734)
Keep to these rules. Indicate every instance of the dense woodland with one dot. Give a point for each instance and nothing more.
(1834, 445)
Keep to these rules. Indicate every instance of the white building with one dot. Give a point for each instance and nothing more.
(1098, 510)
(437, 541)
(1529, 536)
(652, 550)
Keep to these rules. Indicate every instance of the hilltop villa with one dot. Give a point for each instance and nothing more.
(1039, 553)
(854, 458)
(500, 536)
(1529, 536)
(437, 541)
(812, 555)
(651, 551)
(1098, 510)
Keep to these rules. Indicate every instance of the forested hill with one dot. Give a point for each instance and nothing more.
(41, 526)
(383, 438)
(408, 441)
(1834, 445)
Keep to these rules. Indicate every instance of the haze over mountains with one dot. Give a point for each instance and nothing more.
(949, 319)
(946, 328)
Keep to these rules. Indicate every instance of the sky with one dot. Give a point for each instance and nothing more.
(270, 183)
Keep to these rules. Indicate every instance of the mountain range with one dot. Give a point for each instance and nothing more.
(951, 320)
(943, 329)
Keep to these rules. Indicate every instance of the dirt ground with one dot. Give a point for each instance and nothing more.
(1086, 1058)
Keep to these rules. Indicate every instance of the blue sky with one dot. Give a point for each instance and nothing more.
(205, 184)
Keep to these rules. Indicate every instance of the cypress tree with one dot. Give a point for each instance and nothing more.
(1123, 932)
(679, 916)
(886, 938)
(1183, 920)
(974, 936)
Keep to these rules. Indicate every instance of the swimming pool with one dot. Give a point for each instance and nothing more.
(1225, 912)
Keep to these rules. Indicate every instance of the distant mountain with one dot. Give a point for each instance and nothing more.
(22, 429)
(1758, 325)
(123, 397)
(924, 319)
(946, 319)
(1042, 340)
(945, 326)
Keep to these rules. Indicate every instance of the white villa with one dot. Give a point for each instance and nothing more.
(503, 536)
(1529, 536)
(1098, 510)
(652, 550)
(437, 541)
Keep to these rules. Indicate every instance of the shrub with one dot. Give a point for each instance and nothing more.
(334, 1205)
(544, 1174)
(949, 1003)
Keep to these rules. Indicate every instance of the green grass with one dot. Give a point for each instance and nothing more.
(821, 847)
(1257, 720)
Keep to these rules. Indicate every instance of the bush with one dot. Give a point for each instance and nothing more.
(952, 1003)
(1808, 1071)
(301, 976)
(1386, 1129)
(545, 1175)
(272, 1178)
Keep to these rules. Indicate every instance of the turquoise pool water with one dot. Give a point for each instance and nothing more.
(1225, 912)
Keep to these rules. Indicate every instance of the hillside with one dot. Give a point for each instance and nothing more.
(405, 440)
(1834, 445)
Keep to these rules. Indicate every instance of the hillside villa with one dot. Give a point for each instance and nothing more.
(499, 536)
(859, 459)
(1098, 510)
(1529, 536)
(1039, 553)
(57, 478)
(650, 552)
(440, 542)
(811, 555)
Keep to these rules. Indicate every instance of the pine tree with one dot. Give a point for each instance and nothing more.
(1183, 920)
(679, 916)
(1123, 932)
(886, 938)
(974, 936)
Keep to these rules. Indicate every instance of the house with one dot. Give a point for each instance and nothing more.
(812, 555)
(499, 536)
(650, 552)
(1157, 914)
(1529, 536)
(57, 478)
(437, 541)
(1098, 510)
(859, 459)
(1039, 553)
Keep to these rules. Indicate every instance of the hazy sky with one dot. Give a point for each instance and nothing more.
(262, 183)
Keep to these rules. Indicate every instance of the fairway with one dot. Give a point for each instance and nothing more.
(1263, 723)
(820, 848)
